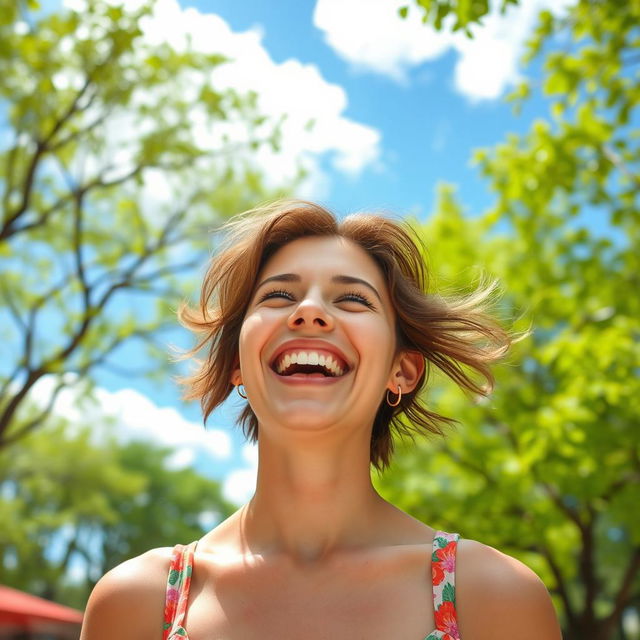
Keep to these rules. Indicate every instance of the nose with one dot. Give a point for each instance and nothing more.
(311, 312)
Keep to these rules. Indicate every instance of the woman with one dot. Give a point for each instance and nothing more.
(327, 330)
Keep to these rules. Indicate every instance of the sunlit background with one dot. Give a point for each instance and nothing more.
(130, 132)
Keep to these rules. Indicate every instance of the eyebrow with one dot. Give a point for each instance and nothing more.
(340, 279)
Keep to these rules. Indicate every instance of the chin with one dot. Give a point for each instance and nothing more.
(308, 417)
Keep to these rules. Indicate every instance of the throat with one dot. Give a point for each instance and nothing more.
(324, 524)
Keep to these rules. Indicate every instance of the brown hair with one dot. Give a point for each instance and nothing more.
(454, 334)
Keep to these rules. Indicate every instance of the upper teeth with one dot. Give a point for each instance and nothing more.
(309, 357)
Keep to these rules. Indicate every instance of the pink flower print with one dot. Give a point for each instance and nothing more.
(447, 557)
(172, 594)
(446, 620)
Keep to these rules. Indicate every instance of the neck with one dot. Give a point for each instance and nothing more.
(312, 503)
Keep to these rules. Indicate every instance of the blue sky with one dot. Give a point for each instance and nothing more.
(428, 125)
(428, 128)
(398, 108)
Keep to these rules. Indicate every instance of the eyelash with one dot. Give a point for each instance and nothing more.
(273, 293)
(354, 295)
(349, 295)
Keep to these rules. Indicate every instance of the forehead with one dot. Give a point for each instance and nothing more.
(328, 255)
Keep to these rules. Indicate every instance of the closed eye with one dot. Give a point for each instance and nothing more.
(350, 296)
(276, 293)
(357, 297)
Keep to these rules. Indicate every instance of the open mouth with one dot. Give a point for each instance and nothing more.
(310, 363)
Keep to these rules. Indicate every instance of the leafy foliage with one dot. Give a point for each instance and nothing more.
(75, 502)
(116, 163)
(548, 469)
(460, 14)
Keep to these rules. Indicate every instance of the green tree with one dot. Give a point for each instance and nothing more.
(170, 507)
(461, 14)
(72, 496)
(549, 468)
(108, 191)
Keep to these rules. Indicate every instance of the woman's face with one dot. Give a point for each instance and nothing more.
(317, 345)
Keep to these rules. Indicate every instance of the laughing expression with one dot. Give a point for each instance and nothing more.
(317, 344)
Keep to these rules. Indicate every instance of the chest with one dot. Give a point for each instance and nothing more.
(369, 599)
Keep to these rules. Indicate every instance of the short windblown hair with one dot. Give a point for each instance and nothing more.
(455, 335)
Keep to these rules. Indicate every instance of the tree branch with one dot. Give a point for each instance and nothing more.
(9, 174)
(6, 294)
(165, 271)
(586, 569)
(9, 379)
(624, 593)
(560, 582)
(125, 282)
(7, 440)
(77, 250)
(70, 111)
(40, 150)
(556, 498)
(80, 191)
(7, 224)
(629, 478)
(469, 465)
(76, 134)
(508, 432)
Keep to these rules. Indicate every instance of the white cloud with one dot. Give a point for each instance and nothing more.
(250, 454)
(181, 458)
(384, 43)
(209, 519)
(240, 484)
(135, 417)
(289, 88)
(371, 35)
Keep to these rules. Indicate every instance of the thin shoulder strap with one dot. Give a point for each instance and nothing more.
(178, 584)
(443, 573)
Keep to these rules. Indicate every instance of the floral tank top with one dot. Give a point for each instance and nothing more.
(443, 579)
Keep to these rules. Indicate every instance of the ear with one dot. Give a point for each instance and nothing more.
(407, 370)
(235, 378)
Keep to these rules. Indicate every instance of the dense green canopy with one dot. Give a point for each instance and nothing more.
(548, 469)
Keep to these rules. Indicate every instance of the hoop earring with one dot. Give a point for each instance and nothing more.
(397, 402)
(240, 392)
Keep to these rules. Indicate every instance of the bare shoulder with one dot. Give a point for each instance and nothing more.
(128, 601)
(500, 598)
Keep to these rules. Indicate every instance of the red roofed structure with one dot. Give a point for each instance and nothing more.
(25, 616)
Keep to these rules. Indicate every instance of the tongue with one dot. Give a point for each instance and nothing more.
(307, 375)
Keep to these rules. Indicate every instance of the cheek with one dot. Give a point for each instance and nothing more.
(252, 335)
(374, 338)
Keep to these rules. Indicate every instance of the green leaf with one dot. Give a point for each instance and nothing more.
(449, 593)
